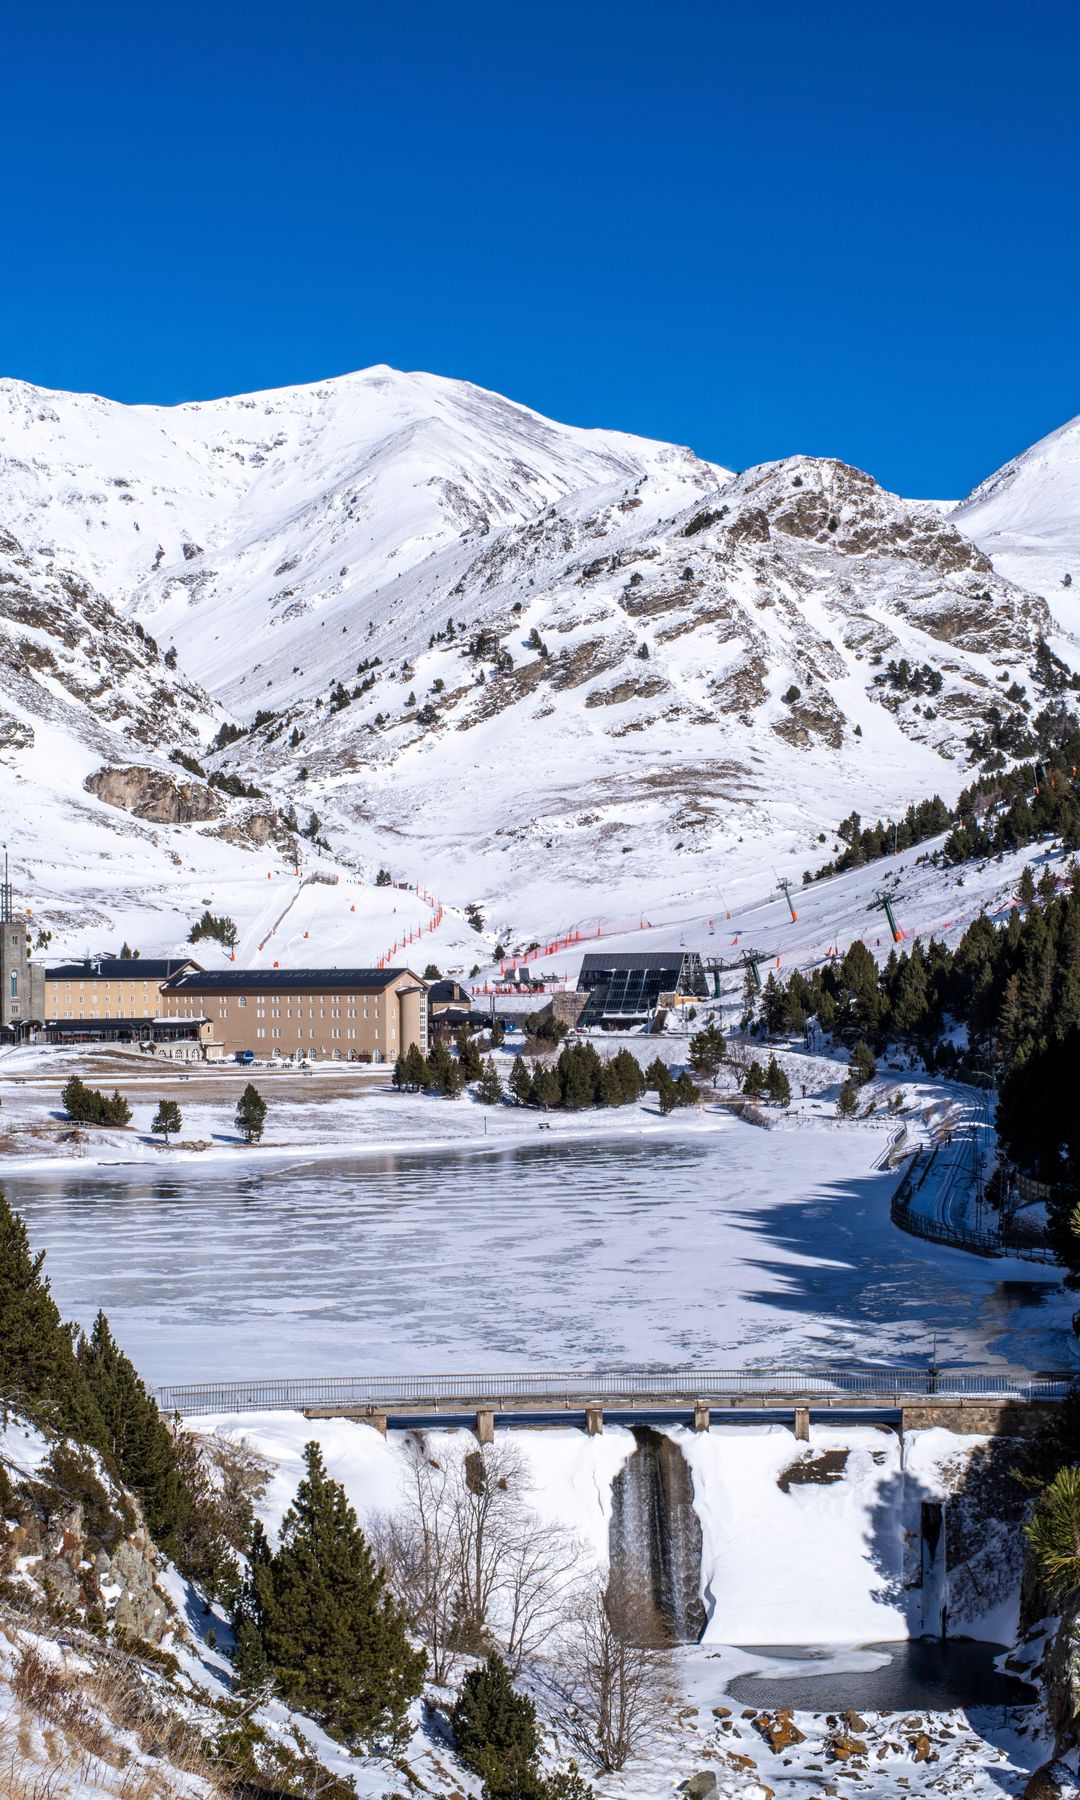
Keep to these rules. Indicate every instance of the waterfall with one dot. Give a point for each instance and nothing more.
(655, 1544)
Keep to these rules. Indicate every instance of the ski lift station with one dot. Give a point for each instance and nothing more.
(629, 988)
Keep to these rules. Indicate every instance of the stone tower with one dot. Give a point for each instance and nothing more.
(22, 987)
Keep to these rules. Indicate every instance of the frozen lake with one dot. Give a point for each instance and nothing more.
(749, 1246)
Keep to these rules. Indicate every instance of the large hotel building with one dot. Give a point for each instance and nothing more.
(353, 1015)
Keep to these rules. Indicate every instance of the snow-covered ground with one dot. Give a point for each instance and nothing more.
(830, 1566)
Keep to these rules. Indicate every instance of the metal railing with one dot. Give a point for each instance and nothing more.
(958, 1237)
(559, 1390)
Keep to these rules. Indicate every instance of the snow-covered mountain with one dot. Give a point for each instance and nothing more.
(1027, 519)
(525, 664)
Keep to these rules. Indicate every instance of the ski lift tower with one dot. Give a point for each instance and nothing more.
(749, 960)
(785, 889)
(884, 903)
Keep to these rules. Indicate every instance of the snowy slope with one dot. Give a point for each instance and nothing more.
(224, 524)
(552, 671)
(1027, 519)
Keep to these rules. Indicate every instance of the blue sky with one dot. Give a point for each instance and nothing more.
(848, 230)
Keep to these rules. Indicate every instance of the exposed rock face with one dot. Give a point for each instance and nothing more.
(84, 1546)
(139, 1609)
(154, 795)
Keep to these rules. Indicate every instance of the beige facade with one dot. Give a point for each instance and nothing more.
(347, 1015)
(109, 988)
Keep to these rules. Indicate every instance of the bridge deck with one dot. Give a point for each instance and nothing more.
(677, 1391)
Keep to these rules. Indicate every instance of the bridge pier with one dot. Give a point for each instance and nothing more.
(701, 1417)
(594, 1420)
(485, 1425)
(802, 1424)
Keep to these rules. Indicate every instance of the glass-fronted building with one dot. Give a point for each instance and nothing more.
(624, 988)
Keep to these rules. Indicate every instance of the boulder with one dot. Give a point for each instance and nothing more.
(779, 1729)
(700, 1787)
(843, 1748)
(1052, 1781)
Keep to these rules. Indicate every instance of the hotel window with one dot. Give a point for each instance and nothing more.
(260, 1031)
(241, 999)
(334, 1031)
(350, 1031)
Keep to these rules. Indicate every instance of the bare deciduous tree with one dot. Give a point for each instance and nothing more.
(473, 1564)
(619, 1686)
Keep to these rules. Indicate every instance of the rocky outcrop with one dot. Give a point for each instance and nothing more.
(152, 794)
(82, 1549)
(253, 830)
(14, 734)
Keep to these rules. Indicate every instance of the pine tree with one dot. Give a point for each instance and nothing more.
(520, 1081)
(496, 1734)
(489, 1089)
(138, 1437)
(334, 1638)
(39, 1371)
(468, 1055)
(1053, 1534)
(415, 1070)
(708, 1050)
(631, 1078)
(439, 1066)
(400, 1076)
(862, 1063)
(847, 1101)
(498, 1034)
(251, 1114)
(546, 1090)
(754, 1081)
(167, 1119)
(777, 1085)
(666, 1091)
(611, 1087)
(686, 1093)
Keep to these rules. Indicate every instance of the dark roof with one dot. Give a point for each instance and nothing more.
(613, 960)
(122, 968)
(251, 981)
(447, 990)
